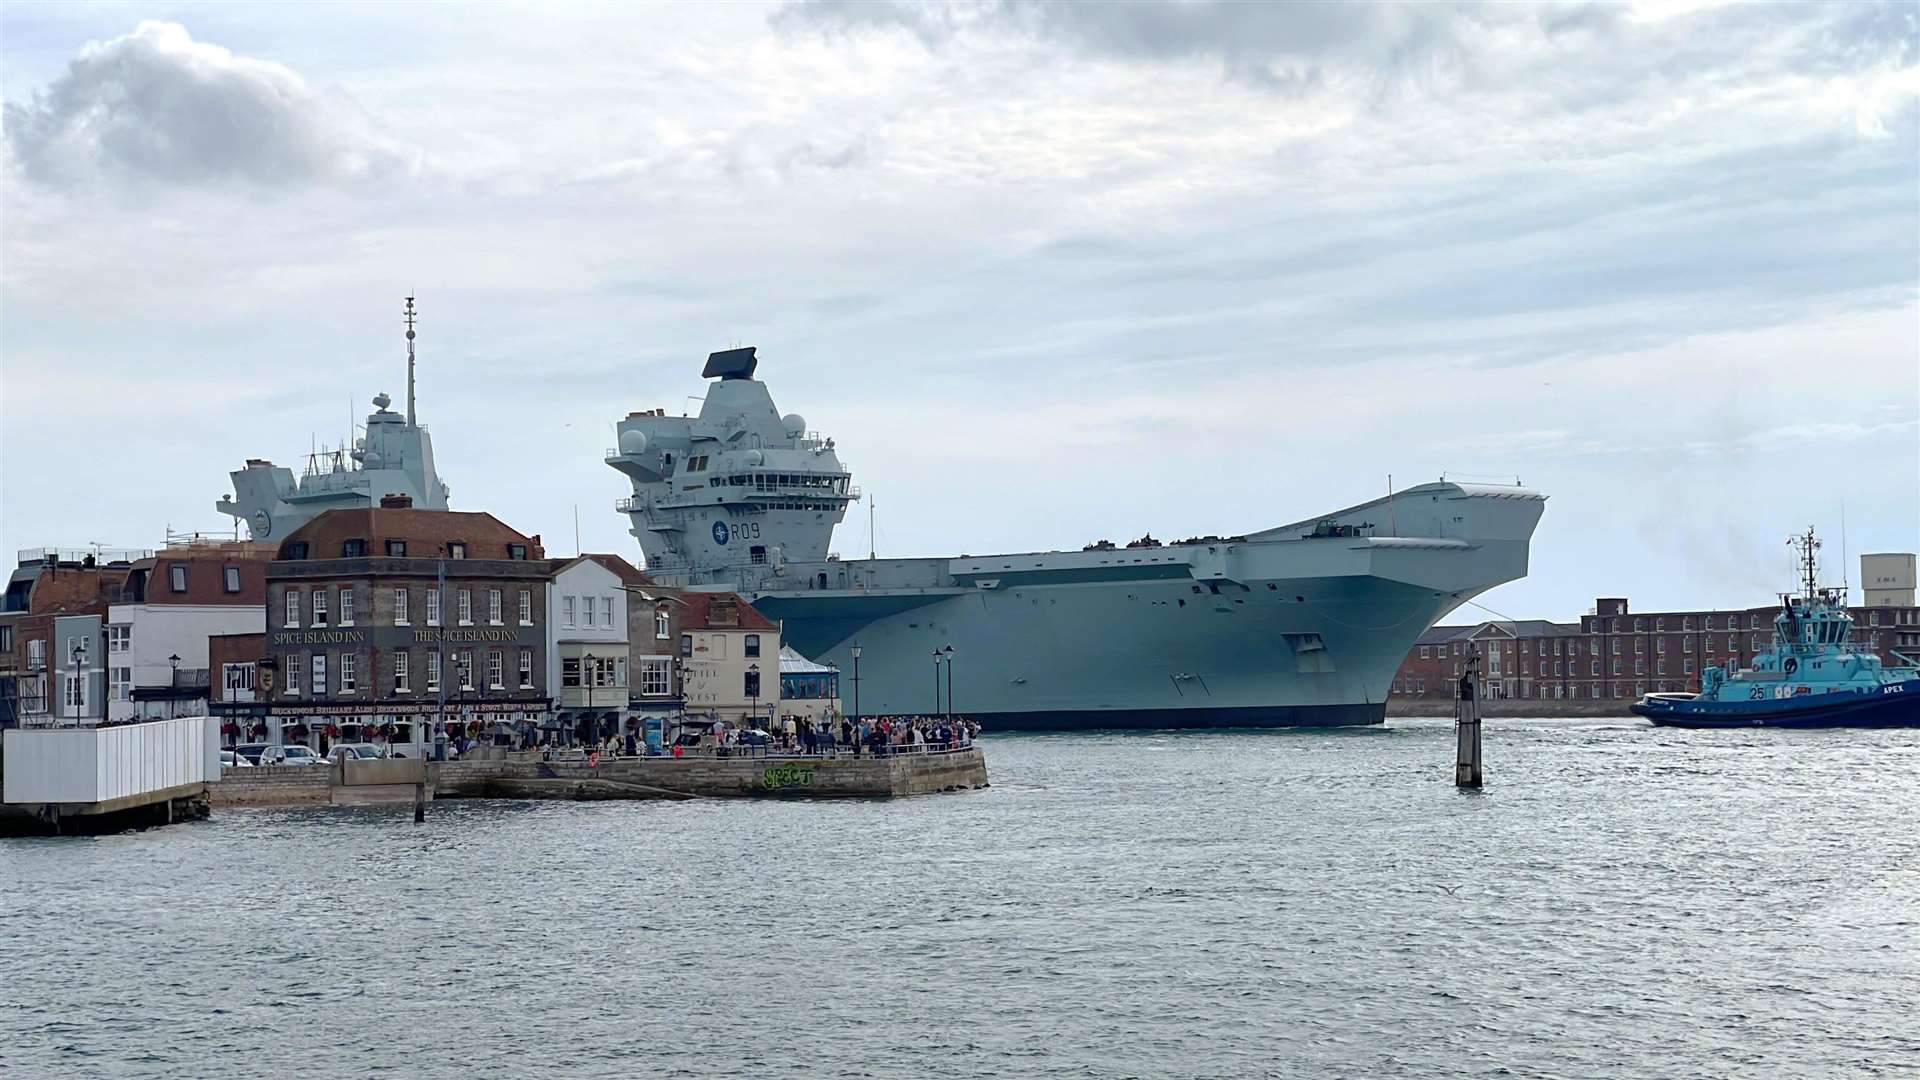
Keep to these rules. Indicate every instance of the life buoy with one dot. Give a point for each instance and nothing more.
(1790, 666)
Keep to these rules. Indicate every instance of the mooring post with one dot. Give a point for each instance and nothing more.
(420, 793)
(1466, 714)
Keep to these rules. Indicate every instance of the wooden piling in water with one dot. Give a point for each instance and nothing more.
(1466, 723)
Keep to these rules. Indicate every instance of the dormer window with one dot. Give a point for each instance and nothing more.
(233, 579)
(297, 551)
(353, 549)
(177, 578)
(456, 549)
(517, 552)
(396, 549)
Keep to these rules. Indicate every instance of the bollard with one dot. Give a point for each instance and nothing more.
(1466, 716)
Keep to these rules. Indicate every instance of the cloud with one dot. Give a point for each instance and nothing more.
(1293, 47)
(157, 106)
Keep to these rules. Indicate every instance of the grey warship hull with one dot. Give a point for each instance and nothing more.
(1288, 630)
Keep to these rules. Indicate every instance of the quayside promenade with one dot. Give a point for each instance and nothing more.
(586, 777)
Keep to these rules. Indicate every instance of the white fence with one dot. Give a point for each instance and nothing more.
(91, 765)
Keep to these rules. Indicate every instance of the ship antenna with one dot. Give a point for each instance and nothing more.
(873, 538)
(410, 318)
(1846, 588)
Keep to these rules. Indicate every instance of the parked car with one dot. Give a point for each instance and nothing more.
(290, 755)
(361, 751)
(252, 751)
(231, 760)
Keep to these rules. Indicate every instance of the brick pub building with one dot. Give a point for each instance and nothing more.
(1614, 654)
(382, 621)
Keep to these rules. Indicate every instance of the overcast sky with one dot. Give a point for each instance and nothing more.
(1047, 273)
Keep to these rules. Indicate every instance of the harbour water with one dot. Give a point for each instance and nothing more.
(1620, 901)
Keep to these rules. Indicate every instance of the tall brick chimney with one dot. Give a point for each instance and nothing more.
(396, 502)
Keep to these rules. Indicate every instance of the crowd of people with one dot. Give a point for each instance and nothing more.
(877, 735)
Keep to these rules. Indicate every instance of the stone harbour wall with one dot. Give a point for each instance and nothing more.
(273, 785)
(614, 778)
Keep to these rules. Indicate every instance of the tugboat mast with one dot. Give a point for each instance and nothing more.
(1809, 565)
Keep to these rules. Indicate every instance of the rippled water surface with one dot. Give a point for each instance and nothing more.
(1619, 902)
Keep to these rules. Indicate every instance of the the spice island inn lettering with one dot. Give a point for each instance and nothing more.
(386, 638)
(319, 637)
(455, 635)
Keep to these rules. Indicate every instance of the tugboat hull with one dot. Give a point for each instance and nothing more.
(1891, 705)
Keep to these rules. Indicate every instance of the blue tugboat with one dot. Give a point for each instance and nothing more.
(1813, 676)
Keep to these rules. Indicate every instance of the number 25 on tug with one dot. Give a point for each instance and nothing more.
(1813, 676)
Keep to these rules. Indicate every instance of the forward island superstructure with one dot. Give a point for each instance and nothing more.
(395, 457)
(1302, 624)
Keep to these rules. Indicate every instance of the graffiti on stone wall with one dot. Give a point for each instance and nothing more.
(787, 776)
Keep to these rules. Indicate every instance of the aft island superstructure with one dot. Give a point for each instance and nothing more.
(1302, 624)
(395, 457)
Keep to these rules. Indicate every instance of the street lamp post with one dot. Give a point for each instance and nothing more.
(856, 682)
(753, 689)
(936, 679)
(947, 652)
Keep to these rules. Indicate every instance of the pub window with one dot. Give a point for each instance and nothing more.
(353, 549)
(526, 669)
(296, 673)
(465, 667)
(466, 607)
(526, 607)
(396, 549)
(493, 607)
(319, 607)
(233, 579)
(686, 645)
(346, 605)
(402, 673)
(293, 607)
(177, 578)
(570, 672)
(400, 615)
(433, 671)
(348, 683)
(496, 676)
(433, 607)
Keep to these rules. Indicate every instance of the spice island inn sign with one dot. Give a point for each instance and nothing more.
(394, 637)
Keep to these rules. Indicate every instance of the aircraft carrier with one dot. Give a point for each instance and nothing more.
(1301, 624)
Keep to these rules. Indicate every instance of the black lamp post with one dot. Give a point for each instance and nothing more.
(753, 689)
(947, 652)
(856, 682)
(173, 704)
(936, 679)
